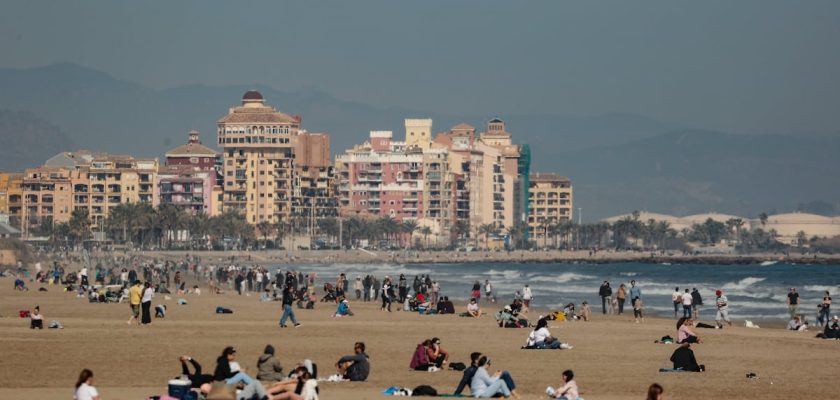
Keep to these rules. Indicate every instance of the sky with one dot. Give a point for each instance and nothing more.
(749, 66)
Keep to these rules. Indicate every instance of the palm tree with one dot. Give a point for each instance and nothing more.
(409, 227)
(426, 231)
(486, 230)
(763, 218)
(460, 229)
(79, 225)
(265, 228)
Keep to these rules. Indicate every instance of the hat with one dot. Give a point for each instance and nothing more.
(834, 317)
(228, 351)
(718, 292)
(508, 308)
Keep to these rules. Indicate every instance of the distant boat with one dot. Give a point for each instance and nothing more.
(768, 263)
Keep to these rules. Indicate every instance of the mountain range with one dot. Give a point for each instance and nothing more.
(618, 162)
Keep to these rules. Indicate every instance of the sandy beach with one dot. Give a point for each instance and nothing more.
(613, 358)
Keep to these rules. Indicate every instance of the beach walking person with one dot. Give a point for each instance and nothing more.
(637, 309)
(476, 290)
(526, 298)
(488, 291)
(569, 390)
(288, 311)
(357, 286)
(402, 285)
(621, 296)
(435, 292)
(134, 296)
(696, 303)
(722, 304)
(686, 303)
(386, 295)
(606, 293)
(84, 386)
(793, 303)
(823, 309)
(146, 303)
(676, 298)
(635, 291)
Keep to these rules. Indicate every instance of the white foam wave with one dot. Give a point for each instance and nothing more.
(743, 283)
(562, 278)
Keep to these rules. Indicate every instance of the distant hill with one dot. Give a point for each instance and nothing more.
(617, 162)
(28, 140)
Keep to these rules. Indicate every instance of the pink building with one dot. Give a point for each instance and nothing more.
(381, 177)
(193, 154)
(190, 179)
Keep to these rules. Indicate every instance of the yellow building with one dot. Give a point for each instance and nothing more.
(11, 196)
(47, 197)
(550, 201)
(258, 167)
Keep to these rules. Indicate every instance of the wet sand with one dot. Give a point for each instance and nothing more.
(613, 357)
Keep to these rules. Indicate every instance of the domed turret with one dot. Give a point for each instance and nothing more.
(253, 98)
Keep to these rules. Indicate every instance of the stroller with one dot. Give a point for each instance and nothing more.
(330, 296)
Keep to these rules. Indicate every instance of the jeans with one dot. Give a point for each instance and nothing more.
(252, 389)
(288, 312)
(496, 387)
(621, 306)
(552, 346)
(239, 377)
(676, 308)
(604, 300)
(366, 293)
(822, 316)
(686, 311)
(508, 379)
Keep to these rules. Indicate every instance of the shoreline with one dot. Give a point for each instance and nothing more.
(282, 257)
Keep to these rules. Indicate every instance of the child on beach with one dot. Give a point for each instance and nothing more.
(569, 390)
(637, 309)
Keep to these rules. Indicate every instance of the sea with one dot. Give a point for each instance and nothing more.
(755, 291)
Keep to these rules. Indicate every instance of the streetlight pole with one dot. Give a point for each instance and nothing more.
(580, 214)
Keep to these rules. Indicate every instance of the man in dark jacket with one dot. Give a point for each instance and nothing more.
(356, 367)
(683, 358)
(605, 292)
(696, 302)
(288, 311)
(468, 374)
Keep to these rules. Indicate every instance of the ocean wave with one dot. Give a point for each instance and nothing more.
(742, 284)
(821, 288)
(562, 278)
(628, 273)
(507, 274)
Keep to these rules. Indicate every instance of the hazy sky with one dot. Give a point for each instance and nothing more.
(739, 66)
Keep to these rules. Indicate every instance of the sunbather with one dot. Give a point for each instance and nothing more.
(197, 378)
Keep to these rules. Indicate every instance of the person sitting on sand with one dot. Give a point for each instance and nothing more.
(684, 332)
(20, 285)
(355, 367)
(266, 295)
(832, 329)
(540, 338)
(796, 324)
(343, 309)
(472, 309)
(569, 390)
(224, 372)
(36, 320)
(160, 311)
(466, 379)
(268, 366)
(446, 306)
(683, 359)
(436, 354)
(506, 319)
(84, 386)
(485, 386)
(420, 358)
(197, 378)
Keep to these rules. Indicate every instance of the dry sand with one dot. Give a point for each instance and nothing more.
(613, 358)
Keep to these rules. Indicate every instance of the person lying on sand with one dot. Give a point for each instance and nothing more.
(197, 378)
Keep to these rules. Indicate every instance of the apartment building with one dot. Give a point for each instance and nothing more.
(11, 196)
(110, 180)
(550, 202)
(190, 179)
(258, 168)
(313, 194)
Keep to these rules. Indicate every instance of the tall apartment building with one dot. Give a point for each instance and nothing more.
(258, 152)
(11, 196)
(550, 201)
(47, 196)
(190, 179)
(313, 195)
(382, 177)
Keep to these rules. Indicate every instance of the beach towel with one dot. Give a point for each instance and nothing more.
(672, 370)
(24, 313)
(55, 325)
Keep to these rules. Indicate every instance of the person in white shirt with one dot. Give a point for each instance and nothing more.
(146, 304)
(540, 338)
(676, 298)
(569, 390)
(84, 387)
(526, 298)
(686, 303)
